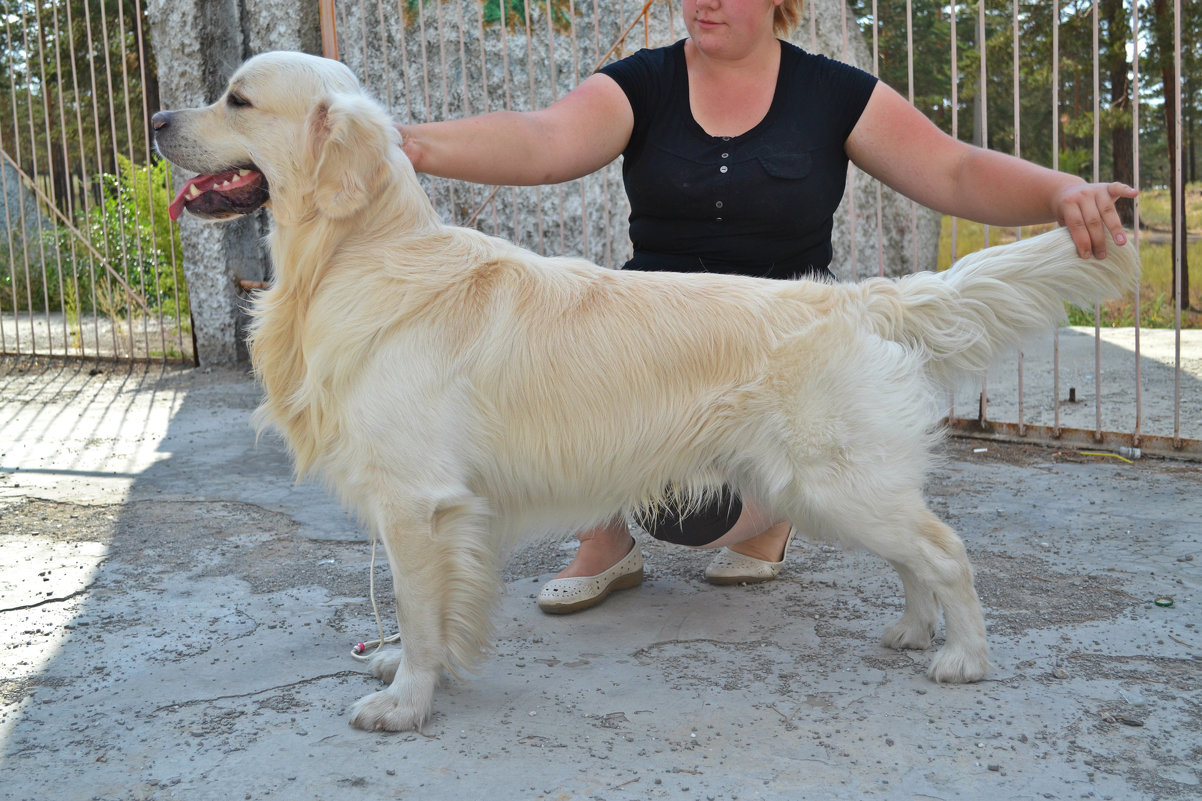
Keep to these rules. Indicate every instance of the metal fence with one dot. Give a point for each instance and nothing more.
(1127, 387)
(90, 265)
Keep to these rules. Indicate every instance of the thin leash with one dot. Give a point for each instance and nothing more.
(359, 652)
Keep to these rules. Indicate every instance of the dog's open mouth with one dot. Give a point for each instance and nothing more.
(225, 194)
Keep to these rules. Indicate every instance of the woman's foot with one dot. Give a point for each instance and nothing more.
(600, 549)
(608, 559)
(753, 560)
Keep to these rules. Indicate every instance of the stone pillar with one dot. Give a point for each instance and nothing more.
(198, 44)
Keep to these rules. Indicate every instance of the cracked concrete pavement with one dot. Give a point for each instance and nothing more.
(177, 618)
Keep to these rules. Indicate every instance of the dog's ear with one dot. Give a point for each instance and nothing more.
(349, 139)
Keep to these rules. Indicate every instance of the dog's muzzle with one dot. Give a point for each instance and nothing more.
(214, 196)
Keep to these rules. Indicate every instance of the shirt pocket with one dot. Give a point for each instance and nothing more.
(787, 165)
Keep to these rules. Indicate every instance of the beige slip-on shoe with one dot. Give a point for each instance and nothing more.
(561, 596)
(729, 567)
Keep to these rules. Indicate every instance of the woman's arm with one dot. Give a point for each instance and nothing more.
(574, 136)
(896, 144)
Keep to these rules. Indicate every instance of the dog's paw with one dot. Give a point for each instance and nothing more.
(383, 664)
(909, 633)
(384, 711)
(961, 665)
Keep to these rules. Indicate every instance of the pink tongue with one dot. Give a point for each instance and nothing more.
(204, 183)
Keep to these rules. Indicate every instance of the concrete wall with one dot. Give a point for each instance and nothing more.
(198, 44)
(439, 66)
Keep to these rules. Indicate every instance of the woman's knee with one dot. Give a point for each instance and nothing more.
(698, 526)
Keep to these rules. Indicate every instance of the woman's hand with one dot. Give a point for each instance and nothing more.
(1088, 212)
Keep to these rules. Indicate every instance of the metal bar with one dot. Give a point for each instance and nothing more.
(983, 133)
(1056, 166)
(1018, 151)
(387, 61)
(20, 203)
(880, 199)
(955, 70)
(33, 150)
(329, 29)
(607, 250)
(1179, 224)
(538, 190)
(68, 200)
(112, 111)
(1170, 447)
(851, 168)
(1135, 40)
(552, 81)
(1097, 173)
(86, 196)
(910, 97)
(129, 146)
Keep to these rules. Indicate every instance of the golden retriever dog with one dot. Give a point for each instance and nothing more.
(459, 393)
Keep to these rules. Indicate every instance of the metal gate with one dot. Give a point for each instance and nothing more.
(90, 264)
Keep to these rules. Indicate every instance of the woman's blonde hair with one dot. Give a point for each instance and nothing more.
(787, 17)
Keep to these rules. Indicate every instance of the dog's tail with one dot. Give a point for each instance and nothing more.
(994, 300)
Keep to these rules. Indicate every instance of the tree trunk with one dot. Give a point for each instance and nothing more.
(1172, 90)
(1117, 65)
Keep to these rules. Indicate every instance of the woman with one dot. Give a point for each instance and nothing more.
(735, 150)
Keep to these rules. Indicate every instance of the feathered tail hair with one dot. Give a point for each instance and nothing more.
(994, 300)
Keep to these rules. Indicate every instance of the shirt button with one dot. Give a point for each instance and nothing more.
(723, 168)
(718, 204)
(725, 155)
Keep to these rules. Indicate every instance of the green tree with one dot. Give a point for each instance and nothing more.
(1161, 58)
(77, 80)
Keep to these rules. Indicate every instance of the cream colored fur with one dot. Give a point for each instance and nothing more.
(460, 393)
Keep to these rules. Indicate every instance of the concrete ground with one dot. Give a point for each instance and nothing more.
(176, 619)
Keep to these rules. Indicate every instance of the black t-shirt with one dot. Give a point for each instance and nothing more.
(761, 203)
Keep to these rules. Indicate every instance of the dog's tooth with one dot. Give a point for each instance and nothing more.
(243, 173)
(193, 192)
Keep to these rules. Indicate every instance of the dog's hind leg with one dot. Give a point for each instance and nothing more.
(445, 578)
(935, 572)
(916, 629)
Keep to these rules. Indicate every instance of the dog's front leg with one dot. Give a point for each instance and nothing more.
(413, 671)
(445, 577)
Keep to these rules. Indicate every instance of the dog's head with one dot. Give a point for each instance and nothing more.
(292, 131)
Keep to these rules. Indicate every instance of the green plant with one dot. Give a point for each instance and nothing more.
(120, 257)
(133, 224)
(514, 10)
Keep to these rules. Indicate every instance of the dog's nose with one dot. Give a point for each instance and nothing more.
(160, 119)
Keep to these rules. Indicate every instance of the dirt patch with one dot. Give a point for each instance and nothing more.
(1023, 593)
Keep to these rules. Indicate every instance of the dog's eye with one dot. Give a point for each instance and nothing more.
(236, 101)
